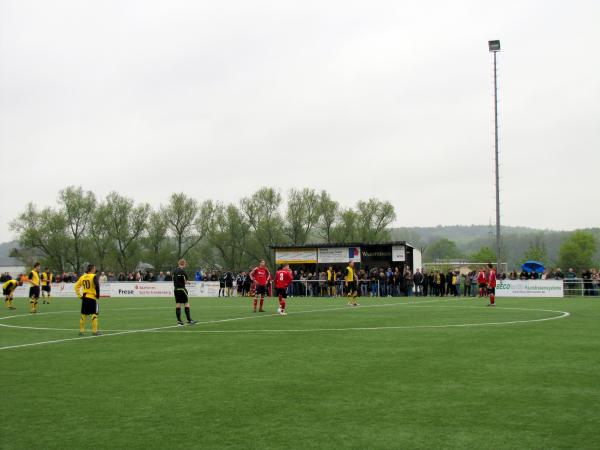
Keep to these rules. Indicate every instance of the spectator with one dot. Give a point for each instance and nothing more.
(408, 281)
(571, 283)
(467, 285)
(587, 282)
(418, 280)
(457, 283)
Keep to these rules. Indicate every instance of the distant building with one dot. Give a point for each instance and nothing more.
(13, 266)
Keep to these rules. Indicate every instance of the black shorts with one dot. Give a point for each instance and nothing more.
(282, 292)
(491, 290)
(34, 292)
(181, 296)
(7, 292)
(46, 289)
(89, 306)
(261, 289)
(482, 285)
(331, 283)
(351, 286)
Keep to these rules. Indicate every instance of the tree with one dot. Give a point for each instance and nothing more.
(261, 211)
(99, 237)
(536, 251)
(328, 214)
(77, 208)
(156, 241)
(125, 224)
(188, 221)
(229, 236)
(346, 229)
(442, 249)
(45, 232)
(373, 218)
(302, 214)
(483, 255)
(578, 251)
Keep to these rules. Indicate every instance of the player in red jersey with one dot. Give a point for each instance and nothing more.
(492, 284)
(482, 282)
(283, 278)
(260, 276)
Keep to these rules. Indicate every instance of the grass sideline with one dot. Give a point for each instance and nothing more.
(392, 373)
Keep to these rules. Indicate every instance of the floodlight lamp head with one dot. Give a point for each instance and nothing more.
(494, 46)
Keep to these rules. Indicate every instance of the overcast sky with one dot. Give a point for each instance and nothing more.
(386, 99)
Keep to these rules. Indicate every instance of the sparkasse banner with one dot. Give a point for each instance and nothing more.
(530, 288)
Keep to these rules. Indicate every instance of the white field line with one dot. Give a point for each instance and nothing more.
(563, 314)
(117, 332)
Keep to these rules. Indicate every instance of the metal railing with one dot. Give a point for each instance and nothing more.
(575, 287)
(579, 287)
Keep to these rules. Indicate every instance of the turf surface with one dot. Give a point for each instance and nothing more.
(392, 373)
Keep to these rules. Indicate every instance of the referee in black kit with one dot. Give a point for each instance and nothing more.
(181, 294)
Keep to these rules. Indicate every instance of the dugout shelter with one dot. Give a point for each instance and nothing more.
(366, 255)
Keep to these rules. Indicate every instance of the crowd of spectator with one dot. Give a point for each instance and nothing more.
(372, 282)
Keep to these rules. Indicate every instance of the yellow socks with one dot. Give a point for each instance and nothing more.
(33, 304)
(95, 323)
(82, 321)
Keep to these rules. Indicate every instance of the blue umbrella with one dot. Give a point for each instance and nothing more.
(533, 266)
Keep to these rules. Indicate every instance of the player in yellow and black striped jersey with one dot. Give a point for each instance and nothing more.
(331, 279)
(350, 284)
(87, 289)
(8, 289)
(34, 291)
(47, 279)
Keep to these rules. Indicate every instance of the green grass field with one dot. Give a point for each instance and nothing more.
(392, 373)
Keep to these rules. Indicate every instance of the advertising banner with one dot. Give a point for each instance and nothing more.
(330, 255)
(529, 288)
(398, 253)
(122, 289)
(296, 256)
(57, 290)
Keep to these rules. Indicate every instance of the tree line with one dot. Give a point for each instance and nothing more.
(116, 233)
(577, 250)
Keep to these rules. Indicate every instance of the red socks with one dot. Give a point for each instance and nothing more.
(492, 298)
(262, 300)
(282, 304)
(254, 303)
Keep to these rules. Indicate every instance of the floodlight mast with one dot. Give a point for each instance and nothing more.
(494, 47)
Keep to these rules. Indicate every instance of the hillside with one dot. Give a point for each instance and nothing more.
(469, 239)
(5, 247)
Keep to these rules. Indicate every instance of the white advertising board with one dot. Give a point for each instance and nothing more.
(398, 253)
(296, 256)
(57, 290)
(119, 289)
(330, 255)
(529, 288)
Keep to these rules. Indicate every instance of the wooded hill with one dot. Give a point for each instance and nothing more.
(516, 241)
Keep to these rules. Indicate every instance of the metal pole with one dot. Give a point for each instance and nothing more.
(498, 259)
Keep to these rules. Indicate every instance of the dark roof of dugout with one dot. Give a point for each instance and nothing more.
(345, 244)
